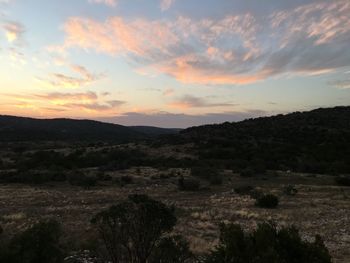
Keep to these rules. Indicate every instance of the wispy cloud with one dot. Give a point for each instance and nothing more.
(106, 2)
(238, 49)
(67, 102)
(13, 31)
(166, 4)
(341, 84)
(189, 101)
(168, 92)
(64, 81)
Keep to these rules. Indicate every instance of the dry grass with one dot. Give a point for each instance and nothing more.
(317, 208)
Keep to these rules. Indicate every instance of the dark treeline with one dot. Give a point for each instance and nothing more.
(313, 142)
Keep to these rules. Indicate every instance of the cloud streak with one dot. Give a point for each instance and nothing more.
(59, 102)
(172, 120)
(189, 101)
(65, 81)
(111, 3)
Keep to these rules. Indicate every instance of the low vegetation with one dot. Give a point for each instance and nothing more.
(141, 230)
(267, 201)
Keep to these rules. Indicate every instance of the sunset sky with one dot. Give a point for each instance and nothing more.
(172, 63)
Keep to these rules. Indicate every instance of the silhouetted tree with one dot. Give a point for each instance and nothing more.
(266, 244)
(38, 244)
(132, 229)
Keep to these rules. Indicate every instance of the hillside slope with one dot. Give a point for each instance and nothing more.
(28, 129)
(316, 141)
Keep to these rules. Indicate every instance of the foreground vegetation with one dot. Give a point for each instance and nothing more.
(139, 230)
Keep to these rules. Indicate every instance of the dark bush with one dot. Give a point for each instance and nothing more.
(188, 184)
(80, 179)
(267, 201)
(207, 173)
(126, 179)
(104, 177)
(343, 180)
(244, 189)
(38, 244)
(247, 172)
(174, 249)
(132, 229)
(290, 190)
(266, 244)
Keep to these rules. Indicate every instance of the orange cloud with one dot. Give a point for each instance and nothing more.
(116, 36)
(88, 102)
(184, 70)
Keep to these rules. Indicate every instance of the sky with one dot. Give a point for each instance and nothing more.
(172, 63)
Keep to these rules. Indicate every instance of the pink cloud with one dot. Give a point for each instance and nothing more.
(234, 50)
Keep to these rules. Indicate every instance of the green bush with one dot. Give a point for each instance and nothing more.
(267, 201)
(266, 244)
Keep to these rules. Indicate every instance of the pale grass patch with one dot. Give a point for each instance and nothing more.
(15, 217)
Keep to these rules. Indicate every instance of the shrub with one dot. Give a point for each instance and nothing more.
(290, 190)
(79, 179)
(207, 173)
(126, 179)
(38, 244)
(267, 201)
(266, 244)
(132, 228)
(343, 180)
(188, 184)
(247, 172)
(244, 190)
(174, 249)
(101, 176)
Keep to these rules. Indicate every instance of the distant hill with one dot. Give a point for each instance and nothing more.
(317, 141)
(154, 131)
(29, 129)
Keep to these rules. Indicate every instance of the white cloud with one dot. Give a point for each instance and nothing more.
(106, 2)
(166, 4)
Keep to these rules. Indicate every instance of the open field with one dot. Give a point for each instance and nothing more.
(319, 207)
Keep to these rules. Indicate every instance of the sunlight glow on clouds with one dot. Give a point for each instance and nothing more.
(13, 30)
(230, 50)
(170, 61)
(64, 81)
